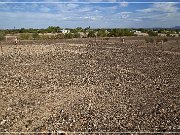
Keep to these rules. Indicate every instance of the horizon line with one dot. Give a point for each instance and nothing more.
(172, 27)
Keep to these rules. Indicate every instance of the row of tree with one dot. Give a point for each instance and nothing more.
(50, 29)
(118, 31)
(75, 33)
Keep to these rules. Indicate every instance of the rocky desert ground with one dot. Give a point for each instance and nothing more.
(90, 86)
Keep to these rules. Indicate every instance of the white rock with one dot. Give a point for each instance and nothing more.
(3, 122)
(60, 131)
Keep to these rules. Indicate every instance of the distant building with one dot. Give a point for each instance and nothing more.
(139, 33)
(136, 31)
(162, 34)
(65, 31)
(174, 35)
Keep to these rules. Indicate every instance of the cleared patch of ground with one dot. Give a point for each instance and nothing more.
(95, 87)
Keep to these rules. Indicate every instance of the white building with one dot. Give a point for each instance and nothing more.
(65, 31)
(139, 33)
(174, 35)
(162, 34)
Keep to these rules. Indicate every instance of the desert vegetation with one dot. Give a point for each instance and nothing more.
(55, 32)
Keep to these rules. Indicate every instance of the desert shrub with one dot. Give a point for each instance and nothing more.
(44, 37)
(91, 34)
(26, 36)
(159, 39)
(76, 35)
(152, 33)
(2, 36)
(164, 39)
(68, 35)
(168, 35)
(149, 40)
(47, 37)
(102, 33)
(52, 37)
(35, 35)
(59, 36)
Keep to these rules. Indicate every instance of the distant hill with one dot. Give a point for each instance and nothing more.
(176, 27)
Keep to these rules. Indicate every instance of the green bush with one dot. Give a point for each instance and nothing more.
(76, 35)
(102, 33)
(152, 33)
(120, 33)
(91, 34)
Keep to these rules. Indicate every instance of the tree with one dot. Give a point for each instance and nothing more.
(113, 33)
(159, 39)
(168, 34)
(91, 34)
(177, 31)
(87, 28)
(152, 33)
(102, 33)
(126, 32)
(22, 30)
(76, 35)
(120, 32)
(79, 29)
(142, 30)
(53, 29)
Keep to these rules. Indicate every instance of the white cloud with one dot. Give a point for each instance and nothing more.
(72, 6)
(124, 4)
(161, 7)
(97, 15)
(124, 15)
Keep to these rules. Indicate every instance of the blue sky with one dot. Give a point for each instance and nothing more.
(94, 13)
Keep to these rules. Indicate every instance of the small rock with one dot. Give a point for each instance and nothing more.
(3, 122)
(61, 132)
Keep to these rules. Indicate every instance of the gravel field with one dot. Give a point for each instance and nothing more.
(92, 87)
